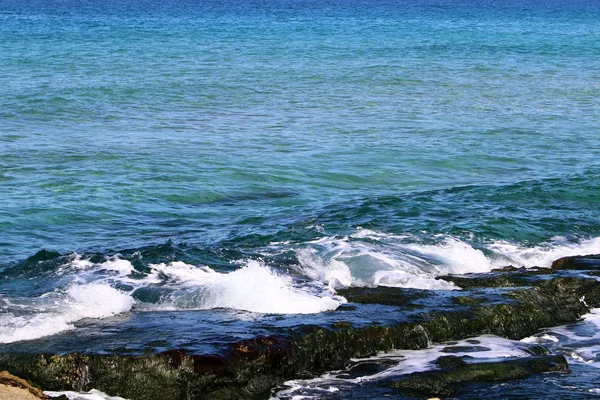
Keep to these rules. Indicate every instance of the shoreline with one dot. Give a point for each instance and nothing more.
(513, 303)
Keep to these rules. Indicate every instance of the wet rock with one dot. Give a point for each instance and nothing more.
(345, 307)
(15, 388)
(582, 263)
(468, 300)
(553, 302)
(450, 362)
(464, 349)
(384, 295)
(341, 325)
(43, 255)
(536, 349)
(488, 281)
(508, 268)
(447, 382)
(367, 368)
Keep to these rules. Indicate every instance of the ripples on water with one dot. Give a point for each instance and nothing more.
(123, 120)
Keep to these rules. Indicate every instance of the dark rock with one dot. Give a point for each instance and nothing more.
(447, 382)
(537, 350)
(589, 262)
(488, 281)
(446, 362)
(43, 255)
(341, 325)
(367, 368)
(468, 300)
(424, 386)
(510, 268)
(345, 307)
(384, 295)
(464, 349)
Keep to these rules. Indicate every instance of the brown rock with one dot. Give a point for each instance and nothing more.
(15, 388)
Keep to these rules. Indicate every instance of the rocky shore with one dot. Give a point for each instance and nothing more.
(513, 303)
(15, 388)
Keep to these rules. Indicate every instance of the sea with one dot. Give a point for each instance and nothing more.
(230, 164)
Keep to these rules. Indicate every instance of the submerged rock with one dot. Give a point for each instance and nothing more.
(455, 372)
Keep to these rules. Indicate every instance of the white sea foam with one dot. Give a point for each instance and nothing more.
(405, 280)
(96, 300)
(543, 254)
(580, 342)
(113, 264)
(182, 274)
(61, 309)
(401, 362)
(91, 395)
(253, 287)
(373, 258)
(489, 347)
(364, 258)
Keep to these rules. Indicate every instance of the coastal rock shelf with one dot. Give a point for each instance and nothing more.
(512, 303)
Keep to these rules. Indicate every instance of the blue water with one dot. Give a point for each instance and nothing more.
(327, 141)
(128, 123)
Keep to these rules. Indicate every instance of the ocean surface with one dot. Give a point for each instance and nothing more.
(243, 159)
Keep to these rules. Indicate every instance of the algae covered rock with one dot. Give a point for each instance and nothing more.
(389, 296)
(446, 382)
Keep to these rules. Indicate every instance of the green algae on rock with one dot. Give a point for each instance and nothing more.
(456, 371)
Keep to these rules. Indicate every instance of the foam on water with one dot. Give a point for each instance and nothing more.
(253, 287)
(580, 341)
(543, 254)
(92, 294)
(91, 395)
(57, 311)
(401, 362)
(365, 258)
(483, 348)
(374, 258)
(113, 264)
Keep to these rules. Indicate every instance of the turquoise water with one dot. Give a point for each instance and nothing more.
(129, 123)
(163, 146)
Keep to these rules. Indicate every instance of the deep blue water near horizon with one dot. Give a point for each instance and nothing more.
(346, 142)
